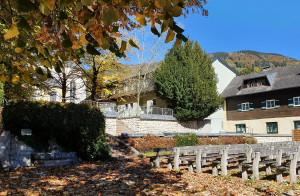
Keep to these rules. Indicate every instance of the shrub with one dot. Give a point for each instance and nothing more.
(76, 127)
(148, 143)
(189, 140)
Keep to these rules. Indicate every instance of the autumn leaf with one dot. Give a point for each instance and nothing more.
(123, 46)
(131, 42)
(110, 15)
(170, 36)
(18, 50)
(15, 79)
(83, 40)
(12, 32)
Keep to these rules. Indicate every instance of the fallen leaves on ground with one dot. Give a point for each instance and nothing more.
(132, 176)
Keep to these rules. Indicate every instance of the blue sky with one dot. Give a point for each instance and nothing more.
(271, 26)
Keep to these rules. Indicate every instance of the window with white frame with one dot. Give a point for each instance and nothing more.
(72, 90)
(270, 104)
(36, 94)
(245, 106)
(53, 95)
(296, 101)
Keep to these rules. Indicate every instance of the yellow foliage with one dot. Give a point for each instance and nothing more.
(15, 79)
(12, 32)
(18, 50)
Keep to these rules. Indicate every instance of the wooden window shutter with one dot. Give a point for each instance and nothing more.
(291, 102)
(251, 106)
(277, 104)
(263, 105)
(239, 107)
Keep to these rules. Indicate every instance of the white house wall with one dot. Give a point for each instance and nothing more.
(224, 76)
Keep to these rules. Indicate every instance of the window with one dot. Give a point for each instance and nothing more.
(272, 127)
(243, 107)
(296, 101)
(53, 95)
(36, 94)
(297, 124)
(270, 104)
(240, 128)
(254, 82)
(154, 101)
(72, 90)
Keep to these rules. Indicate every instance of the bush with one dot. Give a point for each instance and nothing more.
(76, 127)
(149, 143)
(189, 140)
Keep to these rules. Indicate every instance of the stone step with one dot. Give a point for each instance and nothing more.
(50, 163)
(54, 156)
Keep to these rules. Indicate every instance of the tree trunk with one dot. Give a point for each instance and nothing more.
(138, 94)
(94, 81)
(64, 88)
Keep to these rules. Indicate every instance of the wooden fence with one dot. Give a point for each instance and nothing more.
(279, 157)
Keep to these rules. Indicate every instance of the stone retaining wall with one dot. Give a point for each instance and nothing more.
(272, 138)
(148, 125)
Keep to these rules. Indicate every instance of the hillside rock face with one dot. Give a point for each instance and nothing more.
(246, 61)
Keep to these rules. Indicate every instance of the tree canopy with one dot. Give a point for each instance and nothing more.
(186, 80)
(37, 33)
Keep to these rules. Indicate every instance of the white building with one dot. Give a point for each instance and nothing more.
(224, 75)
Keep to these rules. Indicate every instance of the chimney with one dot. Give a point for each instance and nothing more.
(266, 68)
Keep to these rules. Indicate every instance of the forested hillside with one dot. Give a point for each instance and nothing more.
(246, 61)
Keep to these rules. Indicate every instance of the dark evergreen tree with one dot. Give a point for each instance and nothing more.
(186, 81)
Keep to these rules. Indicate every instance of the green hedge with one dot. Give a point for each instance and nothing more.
(76, 127)
(189, 140)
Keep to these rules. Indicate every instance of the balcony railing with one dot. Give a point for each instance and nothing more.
(103, 106)
(133, 112)
(156, 111)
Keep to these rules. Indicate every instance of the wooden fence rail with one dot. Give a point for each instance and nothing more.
(279, 156)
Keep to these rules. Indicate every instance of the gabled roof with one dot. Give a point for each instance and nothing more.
(279, 78)
(216, 58)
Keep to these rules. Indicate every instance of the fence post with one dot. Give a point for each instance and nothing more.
(255, 166)
(293, 167)
(279, 172)
(157, 159)
(176, 158)
(198, 160)
(224, 161)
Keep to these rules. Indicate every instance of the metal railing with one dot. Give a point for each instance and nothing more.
(103, 106)
(133, 112)
(156, 111)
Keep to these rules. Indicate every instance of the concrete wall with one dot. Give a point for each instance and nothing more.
(258, 126)
(14, 153)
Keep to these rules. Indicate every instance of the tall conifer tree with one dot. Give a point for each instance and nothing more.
(186, 80)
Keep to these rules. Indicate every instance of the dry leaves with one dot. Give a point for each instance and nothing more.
(131, 176)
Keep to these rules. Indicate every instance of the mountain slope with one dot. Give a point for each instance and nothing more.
(247, 61)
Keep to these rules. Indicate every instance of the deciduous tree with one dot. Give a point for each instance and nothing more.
(186, 80)
(101, 73)
(37, 33)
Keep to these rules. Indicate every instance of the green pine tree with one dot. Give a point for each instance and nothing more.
(186, 80)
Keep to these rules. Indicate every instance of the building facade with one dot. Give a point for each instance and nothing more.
(76, 89)
(264, 103)
(151, 104)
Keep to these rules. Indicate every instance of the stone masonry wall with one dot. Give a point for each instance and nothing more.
(270, 138)
(158, 126)
(111, 125)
